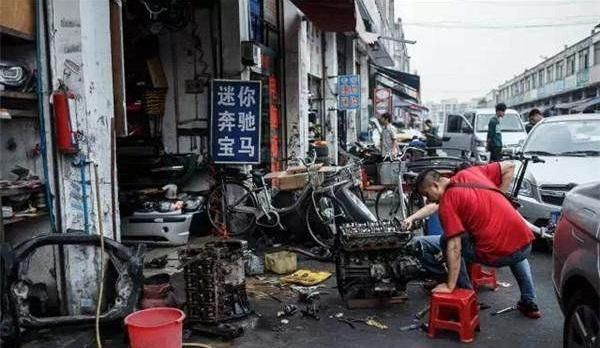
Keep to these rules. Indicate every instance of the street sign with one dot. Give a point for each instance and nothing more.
(348, 92)
(383, 100)
(235, 121)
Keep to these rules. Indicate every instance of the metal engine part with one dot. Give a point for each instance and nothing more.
(374, 260)
(215, 282)
(19, 312)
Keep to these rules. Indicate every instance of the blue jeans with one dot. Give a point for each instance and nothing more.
(432, 249)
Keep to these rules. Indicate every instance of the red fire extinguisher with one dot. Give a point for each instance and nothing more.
(66, 141)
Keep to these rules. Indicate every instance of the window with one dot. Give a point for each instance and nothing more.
(533, 81)
(559, 70)
(571, 65)
(549, 73)
(541, 78)
(583, 59)
(455, 124)
(597, 53)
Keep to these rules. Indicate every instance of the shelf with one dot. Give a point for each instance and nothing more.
(16, 114)
(14, 36)
(18, 95)
(27, 217)
(20, 191)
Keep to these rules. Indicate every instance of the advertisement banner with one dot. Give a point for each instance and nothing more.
(348, 89)
(383, 100)
(235, 121)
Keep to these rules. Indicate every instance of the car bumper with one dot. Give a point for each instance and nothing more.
(538, 213)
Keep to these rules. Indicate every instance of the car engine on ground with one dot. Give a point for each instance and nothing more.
(375, 260)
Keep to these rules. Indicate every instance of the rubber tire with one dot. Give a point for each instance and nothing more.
(581, 298)
(246, 226)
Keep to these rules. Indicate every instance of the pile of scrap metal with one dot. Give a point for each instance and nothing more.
(19, 296)
(215, 286)
(374, 260)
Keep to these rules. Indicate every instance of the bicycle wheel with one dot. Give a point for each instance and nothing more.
(387, 205)
(231, 217)
(321, 227)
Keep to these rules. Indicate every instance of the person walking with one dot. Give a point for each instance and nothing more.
(535, 116)
(494, 134)
(480, 225)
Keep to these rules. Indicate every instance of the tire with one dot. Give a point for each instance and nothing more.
(239, 223)
(387, 205)
(585, 305)
(318, 231)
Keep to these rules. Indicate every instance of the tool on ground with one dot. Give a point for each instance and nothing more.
(422, 312)
(347, 321)
(311, 311)
(504, 310)
(415, 326)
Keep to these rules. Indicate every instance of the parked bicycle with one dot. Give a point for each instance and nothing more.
(239, 202)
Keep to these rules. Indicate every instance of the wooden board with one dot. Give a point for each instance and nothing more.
(18, 16)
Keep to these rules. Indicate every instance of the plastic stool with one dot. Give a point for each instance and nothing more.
(457, 311)
(482, 278)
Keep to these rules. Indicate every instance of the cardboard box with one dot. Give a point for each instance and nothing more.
(282, 262)
(18, 16)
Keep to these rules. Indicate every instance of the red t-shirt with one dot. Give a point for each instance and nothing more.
(496, 227)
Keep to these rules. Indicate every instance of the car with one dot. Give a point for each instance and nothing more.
(576, 266)
(569, 145)
(468, 132)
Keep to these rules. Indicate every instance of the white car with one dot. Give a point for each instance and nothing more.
(468, 132)
(570, 147)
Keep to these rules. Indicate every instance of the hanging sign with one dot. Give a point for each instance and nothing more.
(348, 92)
(383, 100)
(235, 121)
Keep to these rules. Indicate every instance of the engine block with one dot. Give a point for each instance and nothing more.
(374, 259)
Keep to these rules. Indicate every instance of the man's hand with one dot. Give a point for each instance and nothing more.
(407, 223)
(442, 288)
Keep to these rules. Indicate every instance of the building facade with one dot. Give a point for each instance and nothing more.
(568, 82)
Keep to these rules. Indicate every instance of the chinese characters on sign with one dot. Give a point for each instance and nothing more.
(235, 121)
(348, 92)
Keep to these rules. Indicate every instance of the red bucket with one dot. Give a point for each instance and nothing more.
(155, 327)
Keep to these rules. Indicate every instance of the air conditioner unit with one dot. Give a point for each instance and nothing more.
(251, 55)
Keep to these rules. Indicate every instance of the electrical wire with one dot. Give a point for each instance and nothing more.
(101, 232)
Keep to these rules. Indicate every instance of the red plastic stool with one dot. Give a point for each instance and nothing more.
(482, 278)
(457, 311)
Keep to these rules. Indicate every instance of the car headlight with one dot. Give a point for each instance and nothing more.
(526, 189)
(481, 143)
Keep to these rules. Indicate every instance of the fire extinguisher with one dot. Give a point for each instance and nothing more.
(66, 141)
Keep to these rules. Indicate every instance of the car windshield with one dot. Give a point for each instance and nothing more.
(508, 123)
(568, 138)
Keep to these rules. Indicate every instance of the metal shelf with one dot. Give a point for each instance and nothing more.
(27, 217)
(14, 36)
(18, 95)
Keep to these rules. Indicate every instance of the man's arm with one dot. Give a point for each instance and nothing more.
(507, 171)
(453, 255)
(422, 213)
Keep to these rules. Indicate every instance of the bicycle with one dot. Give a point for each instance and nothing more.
(388, 203)
(237, 204)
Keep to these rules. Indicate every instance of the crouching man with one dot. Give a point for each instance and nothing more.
(480, 225)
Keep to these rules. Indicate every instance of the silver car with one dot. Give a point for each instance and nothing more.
(576, 271)
(570, 147)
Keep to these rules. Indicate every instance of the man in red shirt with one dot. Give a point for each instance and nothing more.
(481, 225)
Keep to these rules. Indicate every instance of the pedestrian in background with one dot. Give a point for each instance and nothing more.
(388, 136)
(535, 116)
(494, 134)
(433, 140)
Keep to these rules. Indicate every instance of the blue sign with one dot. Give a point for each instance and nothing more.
(235, 121)
(348, 92)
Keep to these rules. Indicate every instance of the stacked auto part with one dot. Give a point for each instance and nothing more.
(215, 282)
(374, 260)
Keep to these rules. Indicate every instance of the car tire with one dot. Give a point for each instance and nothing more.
(583, 309)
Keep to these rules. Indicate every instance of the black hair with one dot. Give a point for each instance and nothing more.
(387, 116)
(500, 107)
(428, 122)
(534, 112)
(426, 178)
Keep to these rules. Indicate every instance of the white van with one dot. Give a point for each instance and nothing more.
(468, 132)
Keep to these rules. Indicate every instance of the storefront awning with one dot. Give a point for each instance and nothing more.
(589, 104)
(337, 16)
(570, 105)
(398, 91)
(411, 80)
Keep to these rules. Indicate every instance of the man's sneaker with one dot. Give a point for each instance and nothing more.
(529, 309)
